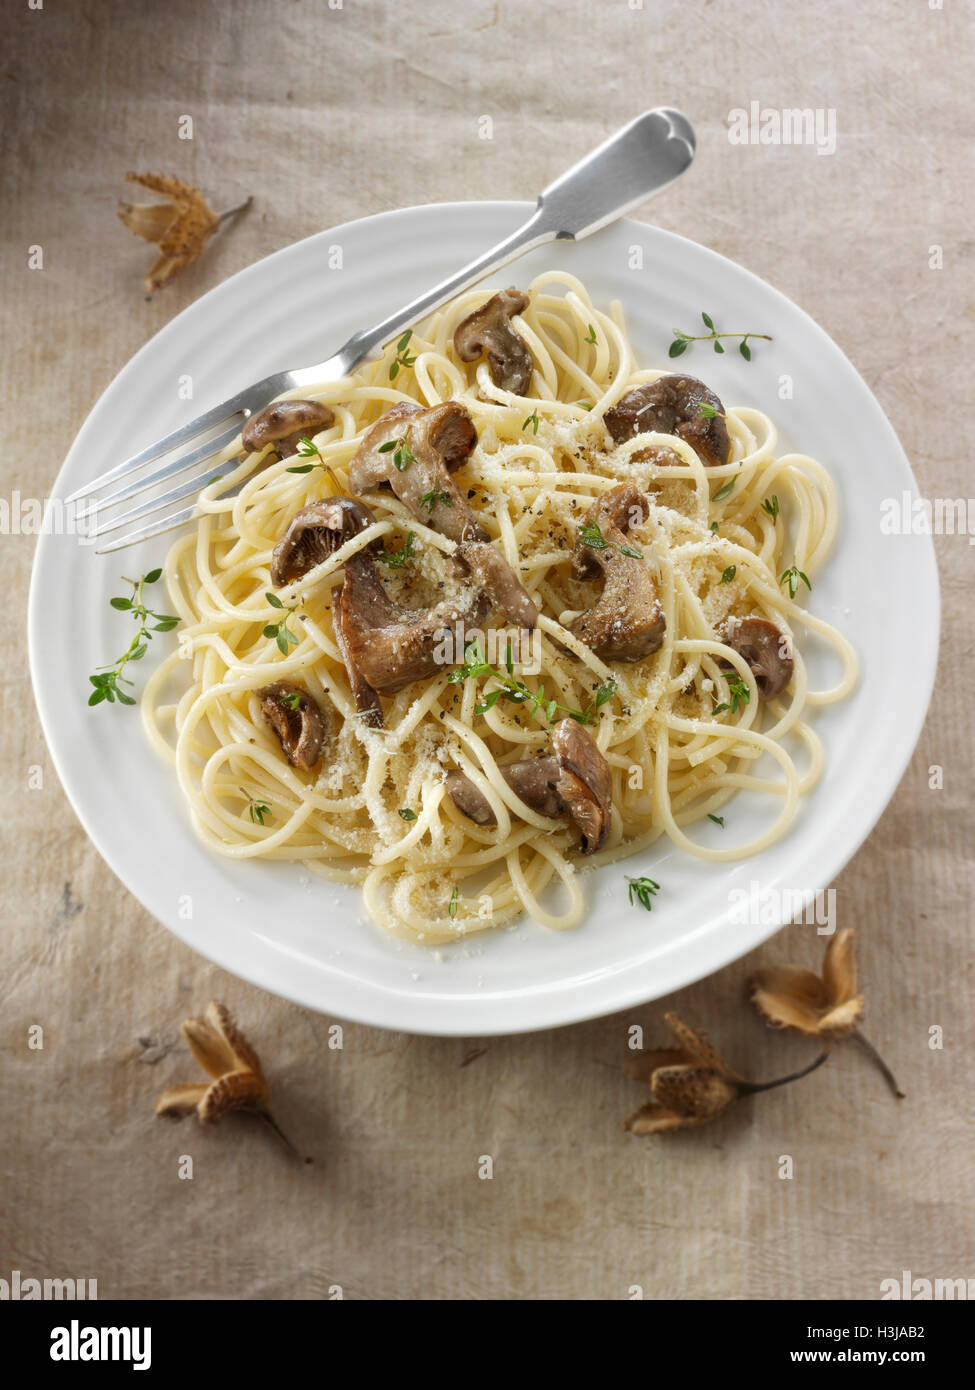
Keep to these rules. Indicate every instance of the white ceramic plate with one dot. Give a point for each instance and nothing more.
(309, 940)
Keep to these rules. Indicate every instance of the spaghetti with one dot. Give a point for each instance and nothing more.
(682, 730)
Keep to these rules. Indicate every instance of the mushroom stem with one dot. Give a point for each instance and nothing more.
(231, 212)
(753, 1087)
(871, 1051)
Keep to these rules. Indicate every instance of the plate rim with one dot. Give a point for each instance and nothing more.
(558, 1004)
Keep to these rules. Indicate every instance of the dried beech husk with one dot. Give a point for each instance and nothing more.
(826, 1006)
(690, 1085)
(180, 226)
(221, 1050)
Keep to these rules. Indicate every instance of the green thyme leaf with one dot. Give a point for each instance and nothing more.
(402, 358)
(397, 559)
(792, 576)
(740, 695)
(592, 536)
(430, 500)
(683, 340)
(643, 891)
(108, 680)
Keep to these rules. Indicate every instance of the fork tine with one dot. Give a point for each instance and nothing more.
(169, 470)
(157, 528)
(177, 439)
(156, 504)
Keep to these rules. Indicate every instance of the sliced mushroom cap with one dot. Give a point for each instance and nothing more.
(314, 534)
(284, 424)
(367, 702)
(534, 780)
(489, 330)
(585, 784)
(370, 468)
(298, 721)
(626, 623)
(440, 440)
(469, 799)
(765, 648)
(574, 777)
(391, 646)
(493, 574)
(672, 405)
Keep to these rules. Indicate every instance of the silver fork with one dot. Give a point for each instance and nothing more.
(638, 160)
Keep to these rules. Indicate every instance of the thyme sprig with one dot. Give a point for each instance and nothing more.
(402, 358)
(740, 695)
(592, 536)
(642, 890)
(682, 341)
(307, 448)
(403, 455)
(430, 499)
(510, 688)
(398, 559)
(281, 632)
(108, 679)
(259, 811)
(792, 576)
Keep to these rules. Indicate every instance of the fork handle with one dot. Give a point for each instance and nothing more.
(369, 342)
(639, 160)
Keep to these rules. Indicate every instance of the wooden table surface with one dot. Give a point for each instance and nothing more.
(326, 113)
